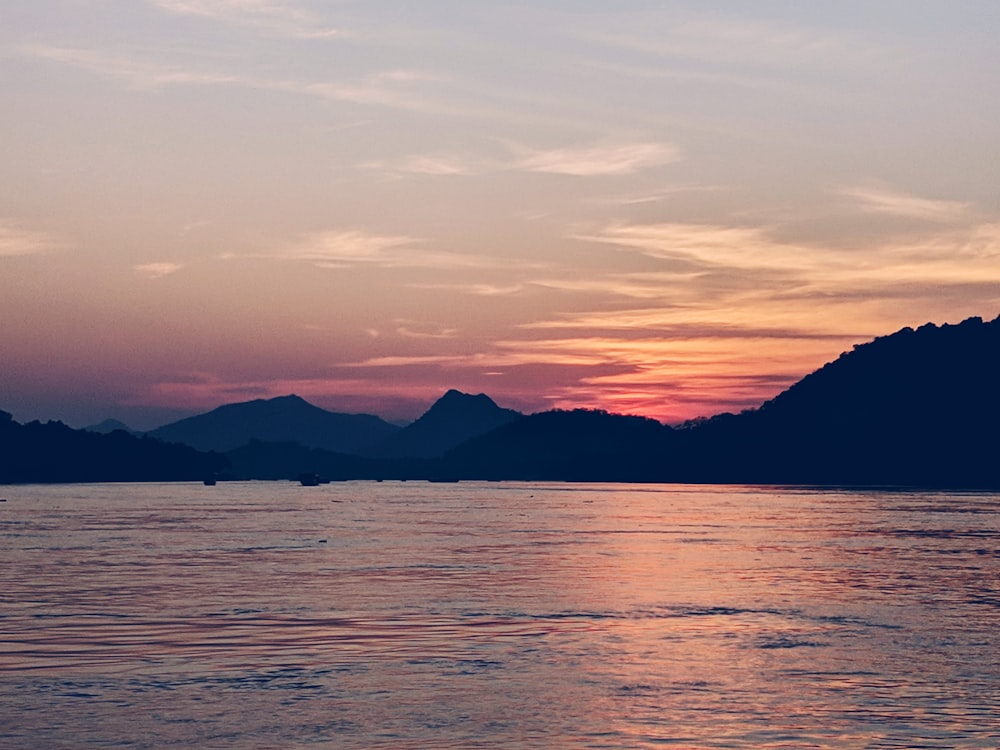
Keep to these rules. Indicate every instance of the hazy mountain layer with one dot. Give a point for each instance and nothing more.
(287, 418)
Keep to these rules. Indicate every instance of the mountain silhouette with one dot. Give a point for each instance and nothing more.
(286, 418)
(110, 425)
(918, 407)
(915, 408)
(453, 419)
(53, 452)
(577, 445)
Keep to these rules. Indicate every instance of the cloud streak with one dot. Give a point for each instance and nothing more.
(349, 248)
(592, 161)
(883, 201)
(157, 270)
(271, 16)
(595, 160)
(16, 240)
(706, 247)
(439, 165)
(733, 41)
(393, 88)
(135, 73)
(340, 248)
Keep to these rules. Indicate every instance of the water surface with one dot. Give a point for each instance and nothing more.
(485, 615)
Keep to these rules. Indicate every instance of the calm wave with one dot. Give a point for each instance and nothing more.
(484, 615)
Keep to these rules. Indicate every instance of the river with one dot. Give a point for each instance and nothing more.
(497, 615)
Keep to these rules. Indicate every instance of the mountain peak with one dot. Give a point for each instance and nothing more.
(451, 420)
(453, 399)
(289, 398)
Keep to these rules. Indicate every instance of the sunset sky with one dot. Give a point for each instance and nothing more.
(664, 208)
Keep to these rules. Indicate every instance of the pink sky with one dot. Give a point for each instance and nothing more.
(655, 209)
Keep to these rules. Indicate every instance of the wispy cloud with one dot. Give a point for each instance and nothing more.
(880, 200)
(731, 40)
(587, 161)
(341, 248)
(685, 74)
(136, 73)
(706, 246)
(414, 329)
(477, 289)
(393, 88)
(634, 285)
(436, 165)
(655, 196)
(271, 16)
(594, 160)
(413, 360)
(157, 270)
(16, 240)
(445, 165)
(193, 226)
(751, 263)
(702, 322)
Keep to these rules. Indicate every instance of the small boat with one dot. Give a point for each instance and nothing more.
(310, 480)
(209, 482)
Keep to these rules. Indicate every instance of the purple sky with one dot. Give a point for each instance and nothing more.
(665, 208)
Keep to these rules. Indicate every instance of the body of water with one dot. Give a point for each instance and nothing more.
(497, 615)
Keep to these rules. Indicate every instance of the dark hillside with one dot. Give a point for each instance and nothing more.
(579, 445)
(453, 419)
(53, 452)
(918, 407)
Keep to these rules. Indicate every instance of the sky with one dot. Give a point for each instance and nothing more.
(669, 208)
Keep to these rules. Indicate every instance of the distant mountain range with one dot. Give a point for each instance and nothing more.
(287, 418)
(915, 408)
(108, 426)
(453, 419)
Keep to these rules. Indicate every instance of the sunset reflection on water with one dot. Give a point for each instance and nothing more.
(498, 615)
